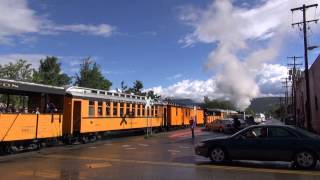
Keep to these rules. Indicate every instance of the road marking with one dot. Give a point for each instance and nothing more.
(98, 165)
(42, 173)
(132, 148)
(189, 165)
(92, 147)
(125, 146)
(173, 151)
(47, 174)
(185, 147)
(144, 145)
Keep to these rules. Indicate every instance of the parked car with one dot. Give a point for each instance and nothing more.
(243, 124)
(222, 125)
(259, 118)
(264, 143)
(289, 120)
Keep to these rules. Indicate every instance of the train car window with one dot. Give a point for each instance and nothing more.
(176, 111)
(91, 108)
(133, 109)
(115, 108)
(143, 110)
(156, 111)
(99, 108)
(139, 110)
(108, 108)
(121, 109)
(128, 109)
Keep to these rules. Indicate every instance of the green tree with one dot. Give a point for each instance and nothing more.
(152, 95)
(219, 104)
(90, 76)
(20, 70)
(250, 111)
(49, 72)
(137, 87)
(123, 87)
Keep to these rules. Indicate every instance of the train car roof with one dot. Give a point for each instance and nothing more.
(90, 93)
(221, 110)
(13, 86)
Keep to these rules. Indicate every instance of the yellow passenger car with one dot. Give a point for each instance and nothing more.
(29, 111)
(92, 110)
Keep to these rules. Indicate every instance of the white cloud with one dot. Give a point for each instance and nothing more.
(174, 77)
(18, 19)
(193, 89)
(33, 59)
(268, 81)
(104, 30)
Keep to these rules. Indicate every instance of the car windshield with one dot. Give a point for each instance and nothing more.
(226, 121)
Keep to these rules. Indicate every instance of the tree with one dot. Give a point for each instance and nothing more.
(219, 104)
(250, 111)
(137, 87)
(20, 70)
(124, 87)
(90, 76)
(152, 95)
(49, 72)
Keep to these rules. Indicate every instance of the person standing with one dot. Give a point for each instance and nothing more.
(192, 123)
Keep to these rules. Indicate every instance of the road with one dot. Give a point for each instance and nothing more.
(162, 156)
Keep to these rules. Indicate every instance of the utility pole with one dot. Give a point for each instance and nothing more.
(293, 91)
(304, 22)
(286, 94)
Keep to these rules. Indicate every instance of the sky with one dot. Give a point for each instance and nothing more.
(233, 50)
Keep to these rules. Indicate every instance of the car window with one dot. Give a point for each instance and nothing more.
(277, 132)
(254, 133)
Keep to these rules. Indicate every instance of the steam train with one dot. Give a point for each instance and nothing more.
(50, 114)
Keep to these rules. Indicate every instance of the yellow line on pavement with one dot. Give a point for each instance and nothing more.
(189, 165)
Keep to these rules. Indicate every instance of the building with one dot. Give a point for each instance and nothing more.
(314, 78)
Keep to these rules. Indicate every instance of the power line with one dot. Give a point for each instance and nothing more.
(293, 79)
(304, 22)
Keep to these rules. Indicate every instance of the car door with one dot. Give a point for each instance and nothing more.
(248, 145)
(280, 144)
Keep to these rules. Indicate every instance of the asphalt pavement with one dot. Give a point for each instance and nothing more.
(167, 155)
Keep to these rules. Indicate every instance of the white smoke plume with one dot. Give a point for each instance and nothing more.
(245, 39)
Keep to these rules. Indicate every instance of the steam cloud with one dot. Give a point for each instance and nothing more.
(246, 39)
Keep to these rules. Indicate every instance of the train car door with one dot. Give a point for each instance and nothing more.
(165, 118)
(76, 116)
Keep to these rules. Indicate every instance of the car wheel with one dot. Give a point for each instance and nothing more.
(218, 155)
(305, 160)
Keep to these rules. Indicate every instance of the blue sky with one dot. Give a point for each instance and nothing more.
(144, 45)
(176, 47)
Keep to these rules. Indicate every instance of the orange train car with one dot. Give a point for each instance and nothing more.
(91, 111)
(25, 116)
(34, 114)
(180, 115)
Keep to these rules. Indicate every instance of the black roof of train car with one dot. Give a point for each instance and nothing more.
(13, 86)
